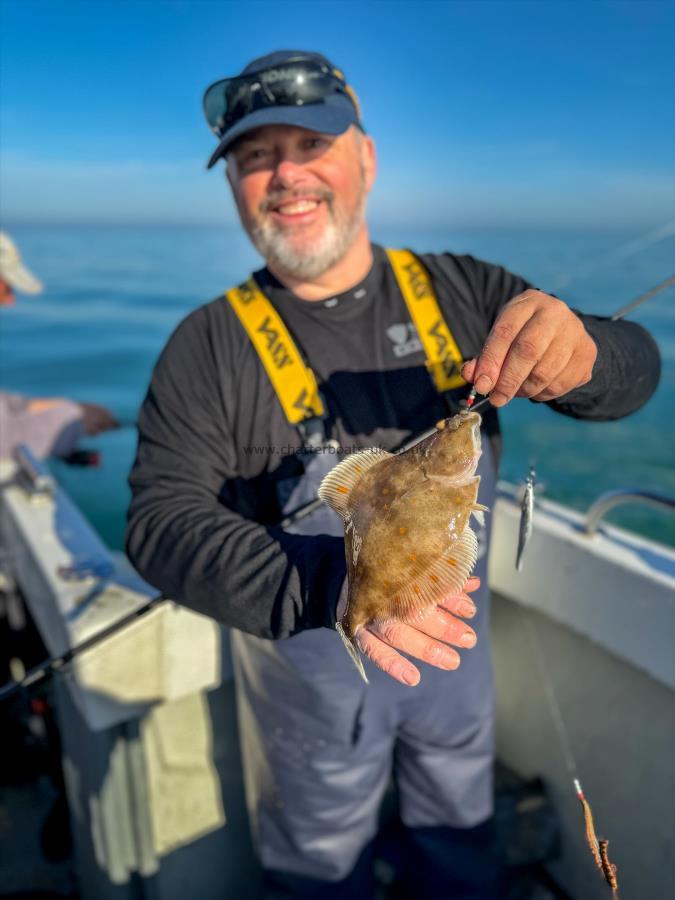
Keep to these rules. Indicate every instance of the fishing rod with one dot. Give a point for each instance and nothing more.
(56, 663)
(308, 508)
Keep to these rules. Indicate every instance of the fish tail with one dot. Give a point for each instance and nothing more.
(353, 651)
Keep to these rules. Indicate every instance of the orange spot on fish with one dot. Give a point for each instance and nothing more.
(412, 557)
(402, 530)
(416, 589)
(343, 490)
(453, 562)
(434, 578)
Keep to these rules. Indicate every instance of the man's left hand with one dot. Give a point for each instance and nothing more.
(537, 348)
(97, 419)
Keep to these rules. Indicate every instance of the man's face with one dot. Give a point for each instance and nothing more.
(301, 194)
(6, 294)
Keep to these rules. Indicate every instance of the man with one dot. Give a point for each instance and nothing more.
(48, 425)
(225, 452)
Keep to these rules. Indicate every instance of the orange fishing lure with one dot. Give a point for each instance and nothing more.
(598, 847)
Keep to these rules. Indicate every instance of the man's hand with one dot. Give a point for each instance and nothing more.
(537, 348)
(427, 639)
(96, 419)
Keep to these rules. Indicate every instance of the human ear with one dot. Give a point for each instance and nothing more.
(368, 161)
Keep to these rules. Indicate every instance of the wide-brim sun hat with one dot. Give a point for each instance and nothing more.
(294, 87)
(13, 271)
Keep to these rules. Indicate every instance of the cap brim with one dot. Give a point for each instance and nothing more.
(21, 279)
(327, 118)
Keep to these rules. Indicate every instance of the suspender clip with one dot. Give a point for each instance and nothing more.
(313, 433)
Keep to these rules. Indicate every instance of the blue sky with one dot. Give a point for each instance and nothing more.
(484, 113)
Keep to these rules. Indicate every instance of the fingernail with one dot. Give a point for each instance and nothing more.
(410, 677)
(448, 661)
(483, 384)
(498, 399)
(467, 609)
(468, 639)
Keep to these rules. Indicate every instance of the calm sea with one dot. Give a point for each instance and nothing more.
(114, 294)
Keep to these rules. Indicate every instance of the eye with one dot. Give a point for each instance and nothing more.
(315, 143)
(250, 157)
(255, 153)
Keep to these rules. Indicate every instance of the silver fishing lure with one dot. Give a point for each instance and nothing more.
(526, 512)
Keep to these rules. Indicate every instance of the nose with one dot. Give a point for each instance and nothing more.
(287, 174)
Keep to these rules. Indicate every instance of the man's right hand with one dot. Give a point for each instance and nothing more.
(427, 639)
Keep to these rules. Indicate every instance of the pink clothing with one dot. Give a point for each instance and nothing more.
(49, 432)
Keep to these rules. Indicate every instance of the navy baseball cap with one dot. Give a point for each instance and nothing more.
(288, 87)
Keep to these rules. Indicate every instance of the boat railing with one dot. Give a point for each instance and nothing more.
(36, 475)
(622, 496)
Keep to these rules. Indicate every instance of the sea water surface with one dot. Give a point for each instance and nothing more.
(115, 293)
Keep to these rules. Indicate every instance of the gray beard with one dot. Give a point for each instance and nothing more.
(273, 245)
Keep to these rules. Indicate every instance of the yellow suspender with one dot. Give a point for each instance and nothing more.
(444, 359)
(294, 382)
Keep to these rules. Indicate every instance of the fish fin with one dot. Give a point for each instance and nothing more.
(445, 577)
(478, 512)
(353, 651)
(338, 484)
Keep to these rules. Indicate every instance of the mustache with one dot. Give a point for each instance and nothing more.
(280, 197)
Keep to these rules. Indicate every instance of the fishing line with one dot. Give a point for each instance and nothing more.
(551, 697)
(623, 251)
(598, 847)
(620, 313)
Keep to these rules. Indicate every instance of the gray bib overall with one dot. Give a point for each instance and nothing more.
(319, 746)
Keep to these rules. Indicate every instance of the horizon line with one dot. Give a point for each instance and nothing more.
(630, 224)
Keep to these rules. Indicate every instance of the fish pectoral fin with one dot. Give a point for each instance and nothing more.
(340, 481)
(353, 650)
(444, 578)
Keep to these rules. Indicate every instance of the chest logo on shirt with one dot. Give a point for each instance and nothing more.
(404, 339)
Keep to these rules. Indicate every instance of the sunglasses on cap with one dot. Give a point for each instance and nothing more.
(295, 82)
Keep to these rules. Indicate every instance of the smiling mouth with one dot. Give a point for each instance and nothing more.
(302, 209)
(296, 207)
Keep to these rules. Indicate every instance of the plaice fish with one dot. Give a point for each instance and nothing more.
(408, 539)
(526, 513)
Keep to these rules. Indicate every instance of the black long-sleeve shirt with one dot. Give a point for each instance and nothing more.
(215, 448)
